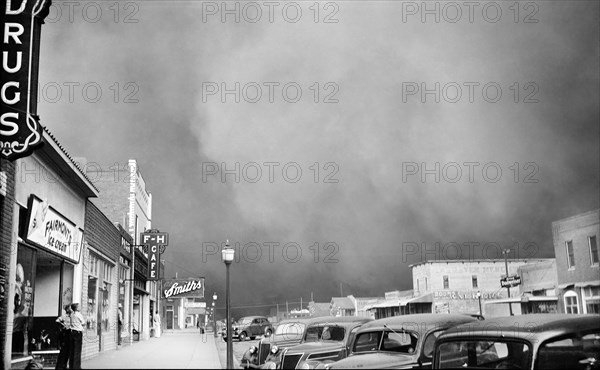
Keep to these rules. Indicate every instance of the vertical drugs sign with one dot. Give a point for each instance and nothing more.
(20, 130)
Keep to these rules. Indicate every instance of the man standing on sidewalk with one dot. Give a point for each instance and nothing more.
(77, 322)
(119, 324)
(157, 323)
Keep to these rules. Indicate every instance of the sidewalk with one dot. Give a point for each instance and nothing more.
(175, 349)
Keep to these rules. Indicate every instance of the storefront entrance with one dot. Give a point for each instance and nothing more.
(43, 284)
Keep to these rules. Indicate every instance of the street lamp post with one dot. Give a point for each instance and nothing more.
(228, 254)
(479, 298)
(214, 314)
(505, 253)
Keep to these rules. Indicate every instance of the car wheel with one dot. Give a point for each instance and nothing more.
(242, 336)
(268, 333)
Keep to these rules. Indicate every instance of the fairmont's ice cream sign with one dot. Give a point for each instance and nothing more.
(20, 130)
(178, 288)
(50, 230)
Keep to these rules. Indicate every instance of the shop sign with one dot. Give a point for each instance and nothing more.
(510, 281)
(52, 231)
(183, 288)
(125, 246)
(460, 295)
(443, 307)
(156, 242)
(20, 130)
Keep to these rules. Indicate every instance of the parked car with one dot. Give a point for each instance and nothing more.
(398, 342)
(286, 333)
(324, 341)
(537, 341)
(249, 327)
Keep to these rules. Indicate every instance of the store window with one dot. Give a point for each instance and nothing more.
(474, 281)
(24, 280)
(98, 318)
(446, 282)
(571, 302)
(591, 299)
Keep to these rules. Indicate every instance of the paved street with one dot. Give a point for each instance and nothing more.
(177, 349)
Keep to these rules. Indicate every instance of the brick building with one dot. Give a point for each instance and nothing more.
(577, 262)
(44, 238)
(452, 286)
(124, 199)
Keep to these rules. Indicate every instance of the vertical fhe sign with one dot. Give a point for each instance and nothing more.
(156, 243)
(20, 130)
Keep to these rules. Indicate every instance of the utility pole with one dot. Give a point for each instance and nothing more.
(505, 253)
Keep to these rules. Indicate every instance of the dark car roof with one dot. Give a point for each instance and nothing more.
(523, 326)
(420, 322)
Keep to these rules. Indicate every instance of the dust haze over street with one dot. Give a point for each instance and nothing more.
(333, 143)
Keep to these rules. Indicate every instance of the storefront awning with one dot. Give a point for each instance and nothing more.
(425, 298)
(385, 304)
(522, 299)
(587, 283)
(565, 286)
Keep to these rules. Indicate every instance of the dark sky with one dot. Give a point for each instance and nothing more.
(517, 90)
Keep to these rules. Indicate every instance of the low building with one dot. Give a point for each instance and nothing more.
(342, 306)
(577, 262)
(394, 303)
(536, 294)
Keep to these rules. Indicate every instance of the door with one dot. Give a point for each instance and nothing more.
(169, 317)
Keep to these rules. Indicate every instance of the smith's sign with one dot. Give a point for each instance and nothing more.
(20, 130)
(188, 288)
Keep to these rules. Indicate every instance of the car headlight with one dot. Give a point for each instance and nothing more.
(305, 365)
(270, 365)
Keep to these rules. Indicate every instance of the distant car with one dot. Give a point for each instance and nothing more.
(325, 341)
(536, 341)
(249, 327)
(398, 342)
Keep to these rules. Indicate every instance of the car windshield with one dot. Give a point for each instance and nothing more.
(325, 332)
(387, 341)
(570, 352)
(292, 328)
(494, 353)
(245, 321)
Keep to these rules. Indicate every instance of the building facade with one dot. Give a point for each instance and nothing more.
(465, 286)
(100, 285)
(124, 199)
(577, 262)
(46, 249)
